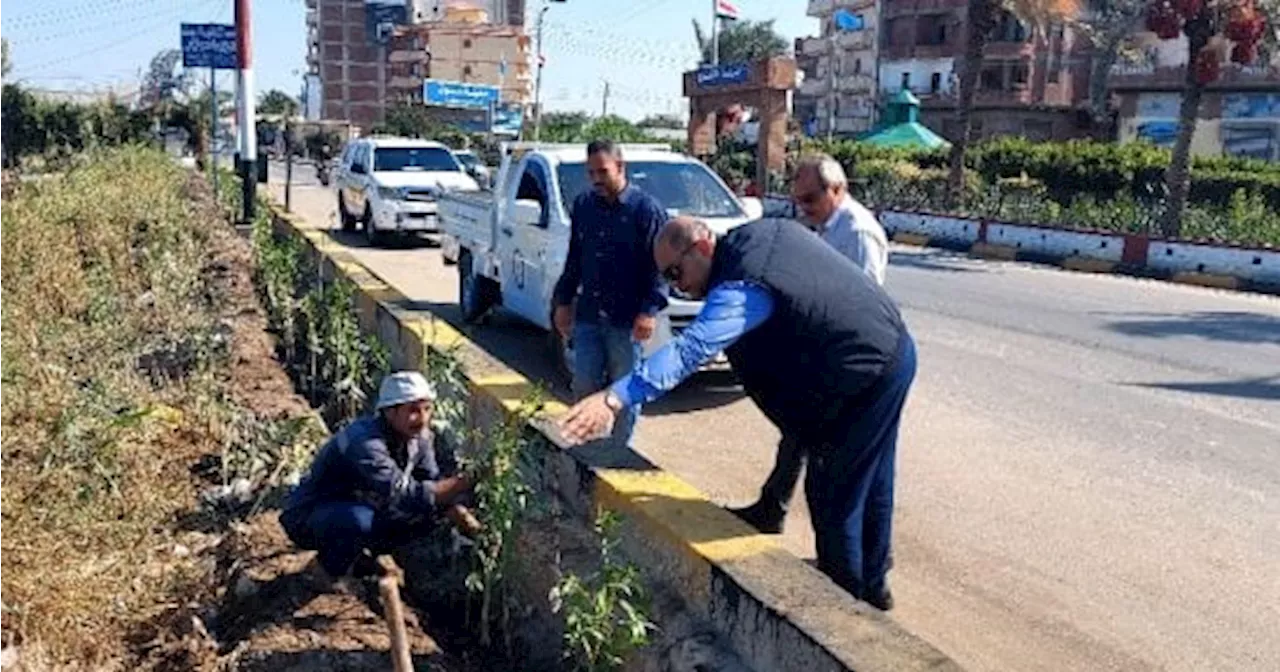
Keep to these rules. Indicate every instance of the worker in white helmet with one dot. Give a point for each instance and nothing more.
(379, 482)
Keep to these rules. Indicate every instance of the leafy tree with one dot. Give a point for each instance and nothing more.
(742, 41)
(662, 121)
(165, 82)
(981, 19)
(1109, 27)
(5, 65)
(277, 102)
(1208, 25)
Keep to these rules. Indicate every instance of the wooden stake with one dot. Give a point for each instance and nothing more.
(389, 588)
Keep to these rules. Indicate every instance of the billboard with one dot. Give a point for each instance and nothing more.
(209, 45)
(719, 75)
(381, 16)
(458, 94)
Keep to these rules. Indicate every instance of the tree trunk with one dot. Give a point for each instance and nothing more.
(1178, 176)
(1099, 97)
(980, 20)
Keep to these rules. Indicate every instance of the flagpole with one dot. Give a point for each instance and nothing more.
(715, 29)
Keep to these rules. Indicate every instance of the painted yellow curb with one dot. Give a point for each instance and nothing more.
(1088, 265)
(989, 251)
(1207, 280)
(911, 239)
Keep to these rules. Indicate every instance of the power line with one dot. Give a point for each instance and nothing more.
(146, 30)
(92, 9)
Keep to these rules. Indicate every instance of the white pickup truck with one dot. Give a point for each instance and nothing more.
(510, 244)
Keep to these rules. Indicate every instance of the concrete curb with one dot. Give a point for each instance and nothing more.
(775, 611)
(1251, 269)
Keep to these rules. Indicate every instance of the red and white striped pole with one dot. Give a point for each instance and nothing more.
(245, 113)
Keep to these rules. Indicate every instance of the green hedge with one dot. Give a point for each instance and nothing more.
(1078, 167)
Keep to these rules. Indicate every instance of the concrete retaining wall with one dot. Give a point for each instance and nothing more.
(734, 587)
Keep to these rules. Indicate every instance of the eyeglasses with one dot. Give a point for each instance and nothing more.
(675, 271)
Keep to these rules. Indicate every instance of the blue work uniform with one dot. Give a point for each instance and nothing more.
(610, 277)
(824, 353)
(366, 490)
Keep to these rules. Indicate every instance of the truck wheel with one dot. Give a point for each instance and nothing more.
(476, 294)
(370, 233)
(348, 220)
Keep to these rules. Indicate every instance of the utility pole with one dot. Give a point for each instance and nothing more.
(213, 129)
(715, 33)
(831, 80)
(604, 103)
(245, 114)
(537, 83)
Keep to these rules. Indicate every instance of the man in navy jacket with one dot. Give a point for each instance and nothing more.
(819, 347)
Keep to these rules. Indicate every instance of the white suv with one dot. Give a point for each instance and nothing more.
(390, 185)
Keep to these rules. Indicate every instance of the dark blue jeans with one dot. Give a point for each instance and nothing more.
(340, 531)
(603, 353)
(849, 484)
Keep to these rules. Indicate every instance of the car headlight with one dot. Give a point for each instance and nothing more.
(391, 193)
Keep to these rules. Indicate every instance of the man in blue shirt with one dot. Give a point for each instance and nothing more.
(819, 347)
(377, 483)
(610, 293)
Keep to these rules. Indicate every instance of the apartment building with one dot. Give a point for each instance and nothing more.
(363, 54)
(468, 52)
(1030, 86)
(1239, 113)
(838, 94)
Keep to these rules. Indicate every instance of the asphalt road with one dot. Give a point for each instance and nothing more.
(1089, 471)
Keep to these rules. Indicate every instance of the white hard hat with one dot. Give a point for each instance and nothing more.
(403, 387)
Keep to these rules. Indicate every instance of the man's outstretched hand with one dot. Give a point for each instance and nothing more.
(589, 419)
(462, 517)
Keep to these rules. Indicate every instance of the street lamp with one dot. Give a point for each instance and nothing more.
(537, 84)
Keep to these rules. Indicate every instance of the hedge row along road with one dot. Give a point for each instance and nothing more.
(1087, 477)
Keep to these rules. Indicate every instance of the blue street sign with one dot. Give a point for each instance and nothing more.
(848, 21)
(719, 75)
(209, 45)
(458, 94)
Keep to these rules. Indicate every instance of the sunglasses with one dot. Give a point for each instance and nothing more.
(674, 272)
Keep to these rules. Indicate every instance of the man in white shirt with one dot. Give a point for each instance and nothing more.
(821, 192)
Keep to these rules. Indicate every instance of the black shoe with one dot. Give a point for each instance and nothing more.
(881, 599)
(766, 519)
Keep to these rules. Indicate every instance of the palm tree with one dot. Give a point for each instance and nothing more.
(1109, 28)
(742, 41)
(981, 18)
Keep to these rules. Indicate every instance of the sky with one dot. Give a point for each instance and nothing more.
(639, 46)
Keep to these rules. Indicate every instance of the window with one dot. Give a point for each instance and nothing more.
(906, 80)
(1019, 73)
(1008, 28)
(992, 78)
(466, 44)
(398, 159)
(533, 187)
(931, 29)
(857, 66)
(687, 188)
(466, 71)
(935, 82)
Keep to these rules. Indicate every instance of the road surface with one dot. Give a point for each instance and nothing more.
(1089, 469)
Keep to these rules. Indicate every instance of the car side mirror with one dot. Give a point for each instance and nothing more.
(754, 207)
(527, 211)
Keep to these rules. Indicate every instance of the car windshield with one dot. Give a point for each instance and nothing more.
(468, 160)
(414, 158)
(687, 188)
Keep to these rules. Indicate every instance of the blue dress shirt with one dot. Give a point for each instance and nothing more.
(610, 268)
(731, 310)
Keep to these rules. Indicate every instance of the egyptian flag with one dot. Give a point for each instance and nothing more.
(726, 10)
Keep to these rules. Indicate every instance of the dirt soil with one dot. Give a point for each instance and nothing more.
(263, 607)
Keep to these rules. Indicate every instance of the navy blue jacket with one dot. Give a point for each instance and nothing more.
(363, 463)
(610, 267)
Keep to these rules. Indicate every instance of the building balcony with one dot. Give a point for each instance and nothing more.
(814, 46)
(860, 40)
(896, 8)
(1146, 75)
(820, 8)
(408, 56)
(816, 86)
(863, 83)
